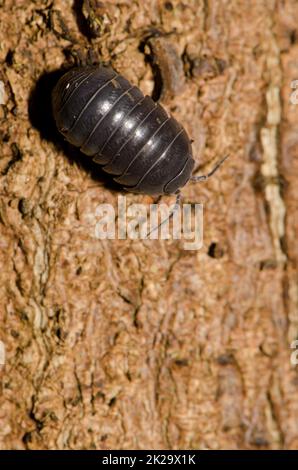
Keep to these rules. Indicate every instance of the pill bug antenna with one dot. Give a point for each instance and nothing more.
(206, 177)
(174, 209)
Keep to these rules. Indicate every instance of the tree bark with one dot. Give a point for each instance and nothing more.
(135, 344)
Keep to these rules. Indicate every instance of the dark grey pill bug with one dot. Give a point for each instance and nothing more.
(128, 134)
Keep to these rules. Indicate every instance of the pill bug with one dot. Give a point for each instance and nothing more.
(128, 134)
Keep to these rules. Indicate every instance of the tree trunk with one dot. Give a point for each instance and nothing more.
(135, 344)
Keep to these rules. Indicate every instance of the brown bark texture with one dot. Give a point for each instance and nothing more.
(135, 344)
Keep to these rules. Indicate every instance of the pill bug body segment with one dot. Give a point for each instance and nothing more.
(127, 133)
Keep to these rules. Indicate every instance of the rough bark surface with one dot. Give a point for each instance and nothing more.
(140, 344)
